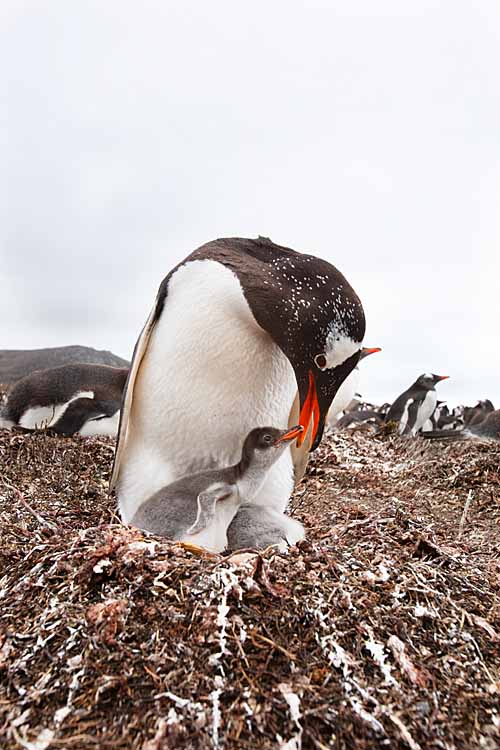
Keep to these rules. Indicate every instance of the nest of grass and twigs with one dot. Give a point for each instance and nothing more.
(381, 630)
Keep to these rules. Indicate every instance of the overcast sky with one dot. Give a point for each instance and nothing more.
(366, 132)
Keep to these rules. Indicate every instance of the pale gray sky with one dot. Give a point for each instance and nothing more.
(365, 132)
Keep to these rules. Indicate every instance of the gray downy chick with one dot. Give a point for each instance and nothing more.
(258, 527)
(199, 507)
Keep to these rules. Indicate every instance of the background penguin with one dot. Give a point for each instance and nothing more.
(18, 363)
(486, 429)
(347, 391)
(242, 332)
(71, 399)
(199, 508)
(476, 414)
(359, 416)
(414, 407)
(433, 422)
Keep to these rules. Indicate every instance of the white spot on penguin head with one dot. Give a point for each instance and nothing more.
(339, 348)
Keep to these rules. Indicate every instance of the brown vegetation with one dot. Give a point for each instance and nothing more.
(381, 630)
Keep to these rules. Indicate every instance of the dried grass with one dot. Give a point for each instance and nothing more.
(381, 630)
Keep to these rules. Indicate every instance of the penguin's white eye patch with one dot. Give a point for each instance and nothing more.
(320, 361)
(339, 349)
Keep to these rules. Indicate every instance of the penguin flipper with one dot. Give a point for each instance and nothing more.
(207, 502)
(412, 416)
(80, 411)
(300, 455)
(128, 393)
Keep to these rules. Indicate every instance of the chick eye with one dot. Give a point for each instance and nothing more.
(268, 438)
(320, 361)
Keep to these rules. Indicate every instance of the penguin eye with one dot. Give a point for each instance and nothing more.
(320, 361)
(268, 438)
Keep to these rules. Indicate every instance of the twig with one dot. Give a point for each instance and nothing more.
(464, 515)
(271, 643)
(33, 512)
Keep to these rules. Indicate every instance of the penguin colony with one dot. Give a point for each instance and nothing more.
(275, 337)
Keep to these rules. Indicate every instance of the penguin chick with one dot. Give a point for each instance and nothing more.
(259, 528)
(199, 507)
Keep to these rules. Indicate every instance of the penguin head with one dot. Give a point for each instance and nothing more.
(322, 359)
(486, 405)
(264, 445)
(428, 381)
(315, 317)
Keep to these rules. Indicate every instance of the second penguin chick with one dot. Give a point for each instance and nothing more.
(199, 507)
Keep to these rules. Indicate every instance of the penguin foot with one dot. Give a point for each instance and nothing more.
(194, 548)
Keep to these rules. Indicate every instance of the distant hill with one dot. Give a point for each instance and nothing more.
(16, 363)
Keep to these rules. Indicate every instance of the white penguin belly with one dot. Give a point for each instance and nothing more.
(38, 417)
(210, 375)
(344, 396)
(426, 410)
(105, 426)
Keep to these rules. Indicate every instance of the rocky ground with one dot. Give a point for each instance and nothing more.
(382, 630)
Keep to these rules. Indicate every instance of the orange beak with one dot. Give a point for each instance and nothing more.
(442, 377)
(290, 435)
(366, 351)
(309, 411)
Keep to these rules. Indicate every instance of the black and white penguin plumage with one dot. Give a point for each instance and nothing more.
(199, 508)
(357, 417)
(242, 332)
(68, 400)
(433, 422)
(416, 405)
(487, 429)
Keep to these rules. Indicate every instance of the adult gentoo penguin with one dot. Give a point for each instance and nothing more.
(416, 405)
(83, 399)
(199, 508)
(242, 333)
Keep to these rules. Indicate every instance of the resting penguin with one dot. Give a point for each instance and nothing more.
(199, 508)
(17, 363)
(242, 332)
(414, 407)
(476, 414)
(348, 389)
(83, 399)
(358, 417)
(488, 429)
